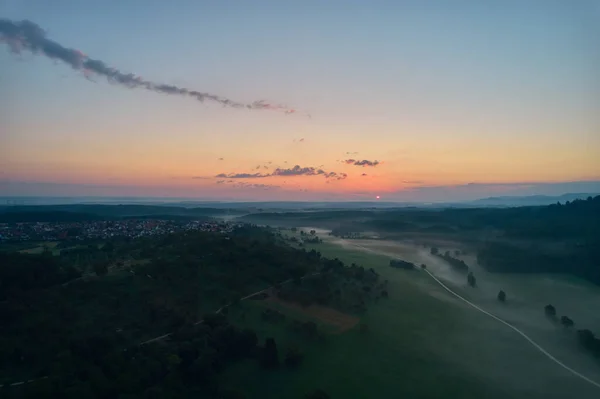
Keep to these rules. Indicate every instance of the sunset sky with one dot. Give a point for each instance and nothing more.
(453, 99)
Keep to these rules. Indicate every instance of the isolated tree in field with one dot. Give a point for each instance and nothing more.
(502, 296)
(566, 321)
(471, 279)
(312, 232)
(550, 311)
(270, 356)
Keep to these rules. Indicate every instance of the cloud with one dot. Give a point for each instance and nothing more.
(351, 153)
(364, 162)
(297, 170)
(262, 186)
(336, 176)
(220, 159)
(201, 177)
(364, 174)
(220, 181)
(241, 175)
(413, 181)
(27, 36)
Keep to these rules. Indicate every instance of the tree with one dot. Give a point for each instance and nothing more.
(100, 268)
(550, 311)
(270, 356)
(502, 296)
(423, 266)
(471, 279)
(293, 357)
(312, 232)
(566, 321)
(434, 250)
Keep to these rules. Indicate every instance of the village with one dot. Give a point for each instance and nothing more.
(132, 228)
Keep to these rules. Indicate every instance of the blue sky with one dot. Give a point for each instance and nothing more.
(445, 93)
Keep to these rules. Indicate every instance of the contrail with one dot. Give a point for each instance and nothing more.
(28, 36)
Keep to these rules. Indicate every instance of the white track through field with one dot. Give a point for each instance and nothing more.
(515, 329)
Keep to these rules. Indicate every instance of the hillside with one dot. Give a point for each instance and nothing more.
(84, 332)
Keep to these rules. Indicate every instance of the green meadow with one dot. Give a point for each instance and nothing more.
(421, 342)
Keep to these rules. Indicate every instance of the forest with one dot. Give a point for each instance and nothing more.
(78, 331)
(90, 212)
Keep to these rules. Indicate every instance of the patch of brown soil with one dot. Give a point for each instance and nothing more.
(341, 321)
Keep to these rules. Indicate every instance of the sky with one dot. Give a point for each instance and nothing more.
(405, 100)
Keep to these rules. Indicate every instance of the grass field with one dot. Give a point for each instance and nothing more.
(421, 342)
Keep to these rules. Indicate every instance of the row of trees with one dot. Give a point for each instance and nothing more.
(586, 337)
(458, 264)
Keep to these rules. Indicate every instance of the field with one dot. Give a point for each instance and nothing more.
(333, 319)
(422, 342)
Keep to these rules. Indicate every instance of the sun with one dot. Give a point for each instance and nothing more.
(377, 197)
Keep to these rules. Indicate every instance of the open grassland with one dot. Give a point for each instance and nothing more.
(423, 342)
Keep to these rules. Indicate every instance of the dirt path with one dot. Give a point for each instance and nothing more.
(160, 338)
(474, 306)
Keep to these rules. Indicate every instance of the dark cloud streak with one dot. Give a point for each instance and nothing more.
(241, 175)
(28, 36)
(364, 162)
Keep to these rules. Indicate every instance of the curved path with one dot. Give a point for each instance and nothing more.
(160, 338)
(521, 333)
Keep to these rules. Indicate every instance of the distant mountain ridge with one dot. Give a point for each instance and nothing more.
(531, 199)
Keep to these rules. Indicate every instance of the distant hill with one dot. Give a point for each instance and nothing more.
(531, 200)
